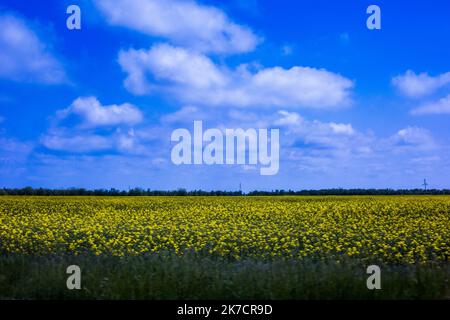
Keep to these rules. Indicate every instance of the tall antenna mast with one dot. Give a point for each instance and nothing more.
(425, 184)
(240, 187)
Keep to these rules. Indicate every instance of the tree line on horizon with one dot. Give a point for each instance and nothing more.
(29, 191)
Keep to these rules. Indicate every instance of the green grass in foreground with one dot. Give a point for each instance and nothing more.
(166, 276)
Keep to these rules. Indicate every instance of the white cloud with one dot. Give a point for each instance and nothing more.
(288, 118)
(340, 128)
(164, 62)
(185, 114)
(317, 153)
(194, 78)
(296, 132)
(321, 145)
(442, 106)
(415, 85)
(101, 129)
(79, 143)
(93, 114)
(412, 139)
(23, 56)
(76, 141)
(185, 23)
(317, 136)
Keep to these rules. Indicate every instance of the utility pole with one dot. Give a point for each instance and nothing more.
(425, 184)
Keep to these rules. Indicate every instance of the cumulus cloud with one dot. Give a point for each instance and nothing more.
(194, 78)
(412, 139)
(93, 114)
(185, 23)
(341, 128)
(186, 114)
(296, 132)
(415, 85)
(23, 56)
(99, 129)
(64, 140)
(315, 135)
(328, 147)
(331, 151)
(164, 62)
(442, 106)
(75, 141)
(324, 147)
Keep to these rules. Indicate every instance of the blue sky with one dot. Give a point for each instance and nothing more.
(95, 107)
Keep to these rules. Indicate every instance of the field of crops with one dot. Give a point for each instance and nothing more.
(228, 232)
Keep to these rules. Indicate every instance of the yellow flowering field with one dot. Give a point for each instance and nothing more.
(393, 229)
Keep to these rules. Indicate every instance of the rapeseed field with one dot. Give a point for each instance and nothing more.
(281, 239)
(389, 229)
